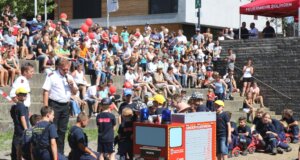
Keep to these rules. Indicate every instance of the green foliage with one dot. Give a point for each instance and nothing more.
(25, 8)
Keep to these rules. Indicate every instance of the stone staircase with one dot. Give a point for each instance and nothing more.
(276, 63)
(36, 97)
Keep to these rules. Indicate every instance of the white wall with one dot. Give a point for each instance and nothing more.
(221, 13)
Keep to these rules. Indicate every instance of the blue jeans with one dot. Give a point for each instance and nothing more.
(103, 77)
(183, 80)
(222, 145)
(220, 96)
(295, 132)
(75, 107)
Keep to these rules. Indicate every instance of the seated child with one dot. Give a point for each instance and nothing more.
(78, 140)
(257, 126)
(125, 134)
(248, 107)
(210, 99)
(292, 124)
(244, 134)
(234, 134)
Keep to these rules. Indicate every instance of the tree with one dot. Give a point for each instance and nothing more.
(25, 8)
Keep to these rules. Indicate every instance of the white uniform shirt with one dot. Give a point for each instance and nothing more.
(21, 81)
(58, 87)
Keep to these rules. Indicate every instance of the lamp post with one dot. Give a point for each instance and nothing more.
(198, 6)
(45, 10)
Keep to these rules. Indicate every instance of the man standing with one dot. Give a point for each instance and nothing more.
(58, 88)
(244, 31)
(27, 71)
(269, 31)
(198, 36)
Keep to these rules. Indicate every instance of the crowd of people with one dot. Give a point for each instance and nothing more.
(158, 66)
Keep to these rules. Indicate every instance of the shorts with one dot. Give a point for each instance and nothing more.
(106, 147)
(222, 146)
(246, 110)
(98, 73)
(250, 79)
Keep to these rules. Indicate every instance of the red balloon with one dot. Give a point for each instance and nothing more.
(63, 16)
(127, 85)
(89, 22)
(92, 35)
(112, 90)
(53, 25)
(84, 28)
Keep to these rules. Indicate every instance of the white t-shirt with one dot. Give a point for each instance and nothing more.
(130, 77)
(148, 79)
(182, 38)
(91, 91)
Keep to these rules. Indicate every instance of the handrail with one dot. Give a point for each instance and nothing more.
(284, 95)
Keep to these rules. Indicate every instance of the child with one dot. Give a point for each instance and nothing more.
(20, 117)
(125, 134)
(223, 131)
(78, 140)
(106, 122)
(210, 99)
(244, 135)
(44, 135)
(198, 102)
(234, 135)
(257, 126)
(292, 124)
(248, 107)
(98, 68)
(34, 119)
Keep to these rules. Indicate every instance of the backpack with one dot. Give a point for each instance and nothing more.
(38, 137)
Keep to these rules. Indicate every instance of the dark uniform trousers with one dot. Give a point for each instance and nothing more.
(61, 120)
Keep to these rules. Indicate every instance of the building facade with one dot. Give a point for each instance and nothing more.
(175, 14)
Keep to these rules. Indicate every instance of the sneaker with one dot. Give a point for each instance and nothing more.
(279, 150)
(288, 149)
(274, 151)
(244, 152)
(295, 141)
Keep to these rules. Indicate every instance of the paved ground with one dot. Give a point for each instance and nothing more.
(256, 156)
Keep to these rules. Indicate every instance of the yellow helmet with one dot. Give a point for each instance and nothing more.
(21, 90)
(159, 98)
(219, 103)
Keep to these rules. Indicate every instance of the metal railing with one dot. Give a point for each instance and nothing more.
(272, 88)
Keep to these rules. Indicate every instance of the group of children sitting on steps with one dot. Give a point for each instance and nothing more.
(266, 133)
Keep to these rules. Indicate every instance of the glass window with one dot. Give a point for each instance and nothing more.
(175, 137)
(86, 9)
(163, 6)
(150, 136)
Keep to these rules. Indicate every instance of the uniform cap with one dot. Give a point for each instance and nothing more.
(139, 106)
(21, 90)
(159, 98)
(219, 103)
(106, 101)
(127, 92)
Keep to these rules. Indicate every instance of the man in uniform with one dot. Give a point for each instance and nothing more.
(27, 71)
(58, 88)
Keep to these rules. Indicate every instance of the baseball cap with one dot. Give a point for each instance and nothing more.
(150, 103)
(159, 98)
(21, 90)
(106, 101)
(197, 29)
(125, 27)
(139, 106)
(219, 103)
(128, 92)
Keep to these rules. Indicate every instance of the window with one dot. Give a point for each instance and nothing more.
(86, 9)
(163, 6)
(150, 136)
(175, 137)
